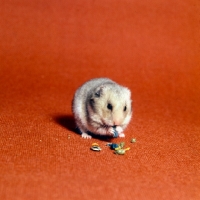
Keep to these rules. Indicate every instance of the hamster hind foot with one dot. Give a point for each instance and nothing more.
(122, 135)
(86, 136)
(83, 133)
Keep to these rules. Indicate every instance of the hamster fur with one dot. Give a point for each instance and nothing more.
(100, 105)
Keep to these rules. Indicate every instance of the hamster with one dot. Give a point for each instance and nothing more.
(102, 107)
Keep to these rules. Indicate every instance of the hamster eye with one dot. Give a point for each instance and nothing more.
(97, 94)
(125, 108)
(109, 106)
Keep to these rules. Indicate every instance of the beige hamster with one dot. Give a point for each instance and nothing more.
(101, 106)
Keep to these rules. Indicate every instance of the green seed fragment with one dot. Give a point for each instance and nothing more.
(120, 151)
(133, 140)
(122, 144)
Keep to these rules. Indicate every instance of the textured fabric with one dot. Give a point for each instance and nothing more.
(49, 48)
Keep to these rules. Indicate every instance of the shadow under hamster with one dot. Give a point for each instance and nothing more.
(68, 122)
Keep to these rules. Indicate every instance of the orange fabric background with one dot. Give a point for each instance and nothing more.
(49, 48)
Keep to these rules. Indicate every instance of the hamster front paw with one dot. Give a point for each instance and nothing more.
(115, 131)
(111, 131)
(86, 136)
(119, 129)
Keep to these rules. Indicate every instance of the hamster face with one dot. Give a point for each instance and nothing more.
(110, 106)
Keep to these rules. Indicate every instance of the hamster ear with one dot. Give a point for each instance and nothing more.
(99, 91)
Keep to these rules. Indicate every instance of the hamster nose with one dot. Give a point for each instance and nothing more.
(117, 122)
